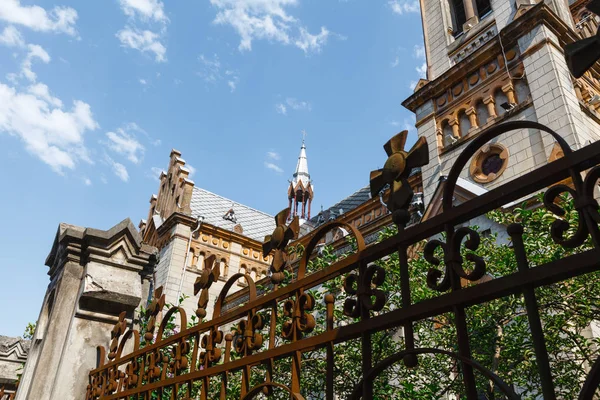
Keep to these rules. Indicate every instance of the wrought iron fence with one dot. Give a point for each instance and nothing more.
(282, 326)
(4, 395)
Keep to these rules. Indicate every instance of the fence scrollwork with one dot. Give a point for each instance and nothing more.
(252, 338)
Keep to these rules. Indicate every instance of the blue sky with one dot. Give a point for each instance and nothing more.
(94, 94)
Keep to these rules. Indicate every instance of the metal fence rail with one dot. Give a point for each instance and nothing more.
(203, 355)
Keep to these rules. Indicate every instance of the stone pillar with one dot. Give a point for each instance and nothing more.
(472, 114)
(509, 91)
(470, 14)
(491, 106)
(94, 276)
(455, 127)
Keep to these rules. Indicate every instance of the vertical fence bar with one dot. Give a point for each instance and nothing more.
(535, 325)
(462, 331)
(366, 345)
(329, 301)
(401, 218)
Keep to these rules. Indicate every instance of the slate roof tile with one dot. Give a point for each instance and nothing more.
(255, 224)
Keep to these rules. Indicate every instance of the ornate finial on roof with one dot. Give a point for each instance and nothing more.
(300, 190)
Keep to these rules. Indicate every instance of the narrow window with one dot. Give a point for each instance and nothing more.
(483, 8)
(457, 8)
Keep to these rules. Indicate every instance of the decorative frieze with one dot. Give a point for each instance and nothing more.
(477, 42)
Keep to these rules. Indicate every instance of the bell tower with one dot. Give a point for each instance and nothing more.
(493, 61)
(300, 191)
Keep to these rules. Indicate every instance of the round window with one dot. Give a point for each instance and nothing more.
(489, 163)
(492, 164)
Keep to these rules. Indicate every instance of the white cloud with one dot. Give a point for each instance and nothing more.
(11, 37)
(396, 62)
(125, 143)
(133, 127)
(412, 85)
(267, 20)
(191, 169)
(52, 134)
(41, 91)
(143, 82)
(281, 108)
(103, 179)
(404, 6)
(273, 155)
(273, 167)
(233, 79)
(144, 9)
(155, 173)
(419, 52)
(296, 104)
(118, 169)
(312, 43)
(147, 40)
(87, 181)
(211, 72)
(422, 71)
(394, 123)
(59, 19)
(35, 52)
(143, 40)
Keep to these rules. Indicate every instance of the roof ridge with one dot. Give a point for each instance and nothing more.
(233, 201)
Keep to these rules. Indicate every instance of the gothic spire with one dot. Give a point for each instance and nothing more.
(300, 190)
(301, 174)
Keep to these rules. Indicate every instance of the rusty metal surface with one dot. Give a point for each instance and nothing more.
(245, 339)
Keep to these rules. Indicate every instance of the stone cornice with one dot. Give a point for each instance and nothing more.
(77, 244)
(179, 218)
(540, 14)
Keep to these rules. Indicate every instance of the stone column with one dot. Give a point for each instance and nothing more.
(471, 14)
(439, 134)
(509, 91)
(491, 106)
(455, 127)
(94, 276)
(472, 114)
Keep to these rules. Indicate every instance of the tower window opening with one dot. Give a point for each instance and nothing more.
(457, 8)
(483, 8)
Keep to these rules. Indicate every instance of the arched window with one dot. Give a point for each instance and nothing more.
(482, 113)
(190, 258)
(500, 98)
(223, 268)
(464, 123)
(447, 133)
(522, 91)
(243, 269)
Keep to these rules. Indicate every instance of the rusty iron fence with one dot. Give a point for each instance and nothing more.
(4, 395)
(245, 340)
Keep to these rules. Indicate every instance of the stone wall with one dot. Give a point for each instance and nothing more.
(94, 276)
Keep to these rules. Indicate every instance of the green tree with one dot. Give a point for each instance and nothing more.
(29, 331)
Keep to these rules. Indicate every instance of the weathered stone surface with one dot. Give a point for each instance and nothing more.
(94, 276)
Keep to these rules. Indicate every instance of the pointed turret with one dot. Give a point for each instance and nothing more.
(300, 189)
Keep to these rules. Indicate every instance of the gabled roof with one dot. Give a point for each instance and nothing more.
(17, 346)
(255, 224)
